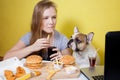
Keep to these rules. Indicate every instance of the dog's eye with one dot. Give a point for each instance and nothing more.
(77, 40)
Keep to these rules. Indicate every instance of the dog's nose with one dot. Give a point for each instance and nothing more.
(76, 49)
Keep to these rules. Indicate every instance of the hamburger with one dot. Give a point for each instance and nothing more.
(33, 61)
(67, 60)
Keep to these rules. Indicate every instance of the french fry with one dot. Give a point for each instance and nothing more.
(48, 37)
(36, 73)
(56, 61)
(51, 74)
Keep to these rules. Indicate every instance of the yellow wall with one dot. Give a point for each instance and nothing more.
(98, 16)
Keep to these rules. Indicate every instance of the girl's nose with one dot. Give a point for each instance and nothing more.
(51, 21)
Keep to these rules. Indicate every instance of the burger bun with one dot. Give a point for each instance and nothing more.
(68, 60)
(33, 61)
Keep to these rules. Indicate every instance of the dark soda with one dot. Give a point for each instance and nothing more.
(50, 51)
(92, 61)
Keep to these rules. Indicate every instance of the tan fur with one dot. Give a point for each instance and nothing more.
(81, 47)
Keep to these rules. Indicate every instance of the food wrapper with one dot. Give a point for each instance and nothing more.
(12, 64)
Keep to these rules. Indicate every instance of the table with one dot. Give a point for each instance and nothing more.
(60, 75)
(17, 62)
(81, 77)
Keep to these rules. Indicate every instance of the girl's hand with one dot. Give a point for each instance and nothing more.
(57, 55)
(40, 44)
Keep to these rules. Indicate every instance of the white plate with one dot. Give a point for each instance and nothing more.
(11, 64)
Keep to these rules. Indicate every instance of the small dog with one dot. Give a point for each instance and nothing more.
(81, 45)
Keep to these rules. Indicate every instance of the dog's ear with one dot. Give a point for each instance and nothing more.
(76, 30)
(90, 37)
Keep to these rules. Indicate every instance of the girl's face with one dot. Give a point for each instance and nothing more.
(49, 20)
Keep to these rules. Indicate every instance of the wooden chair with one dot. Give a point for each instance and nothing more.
(1, 58)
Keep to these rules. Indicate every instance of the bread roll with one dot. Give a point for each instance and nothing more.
(33, 61)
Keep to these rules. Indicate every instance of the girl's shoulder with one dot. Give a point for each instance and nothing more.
(26, 38)
(60, 36)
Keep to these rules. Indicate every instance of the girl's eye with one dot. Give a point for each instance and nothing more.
(54, 17)
(45, 18)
